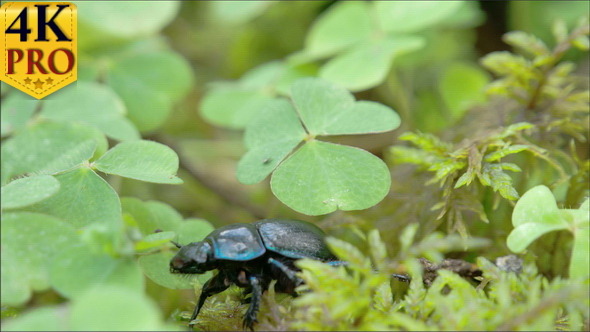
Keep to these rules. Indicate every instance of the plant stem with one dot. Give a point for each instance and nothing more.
(557, 54)
(230, 195)
(400, 97)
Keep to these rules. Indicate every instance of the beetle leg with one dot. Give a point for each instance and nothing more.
(337, 263)
(287, 271)
(215, 285)
(257, 289)
(245, 293)
(399, 277)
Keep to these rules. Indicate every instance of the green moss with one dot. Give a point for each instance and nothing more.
(358, 298)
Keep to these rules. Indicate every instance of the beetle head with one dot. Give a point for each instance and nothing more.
(193, 258)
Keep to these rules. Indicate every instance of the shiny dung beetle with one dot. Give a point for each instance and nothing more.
(251, 256)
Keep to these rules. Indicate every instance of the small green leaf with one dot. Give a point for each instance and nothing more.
(579, 263)
(107, 238)
(237, 12)
(236, 104)
(535, 214)
(499, 181)
(151, 215)
(427, 142)
(17, 109)
(526, 42)
(403, 154)
(581, 43)
(504, 63)
(141, 160)
(526, 233)
(326, 109)
(84, 198)
(193, 230)
(446, 167)
(27, 191)
(262, 78)
(585, 206)
(30, 241)
(48, 148)
(342, 25)
(102, 309)
(101, 24)
(233, 107)
(514, 129)
(114, 308)
(534, 206)
(78, 270)
(318, 102)
(413, 16)
(269, 144)
(150, 94)
(559, 30)
(154, 240)
(465, 179)
(497, 155)
(93, 104)
(157, 268)
(366, 65)
(377, 249)
(38, 319)
(322, 177)
(579, 221)
(407, 236)
(510, 167)
(484, 177)
(292, 73)
(462, 86)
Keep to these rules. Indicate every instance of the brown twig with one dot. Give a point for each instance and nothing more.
(223, 191)
(458, 266)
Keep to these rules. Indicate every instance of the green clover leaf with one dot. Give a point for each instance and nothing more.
(269, 144)
(363, 39)
(95, 105)
(148, 101)
(235, 104)
(327, 109)
(141, 160)
(27, 191)
(536, 213)
(32, 241)
(415, 15)
(83, 198)
(352, 70)
(319, 177)
(322, 177)
(48, 147)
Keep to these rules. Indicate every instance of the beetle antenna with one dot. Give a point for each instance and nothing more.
(176, 244)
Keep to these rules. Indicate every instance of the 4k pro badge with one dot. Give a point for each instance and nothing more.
(39, 46)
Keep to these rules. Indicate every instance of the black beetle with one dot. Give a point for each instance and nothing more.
(251, 256)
